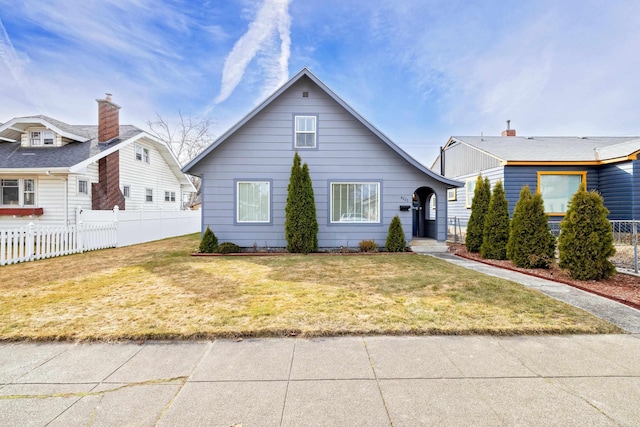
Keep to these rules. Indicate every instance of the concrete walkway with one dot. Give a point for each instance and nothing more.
(347, 381)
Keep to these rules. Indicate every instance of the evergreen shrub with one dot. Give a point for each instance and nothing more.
(228, 248)
(301, 224)
(479, 207)
(496, 226)
(586, 237)
(531, 244)
(209, 242)
(395, 237)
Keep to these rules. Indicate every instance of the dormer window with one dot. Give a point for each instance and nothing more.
(41, 137)
(47, 137)
(36, 138)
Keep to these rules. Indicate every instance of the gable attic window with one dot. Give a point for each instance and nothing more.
(557, 188)
(142, 153)
(305, 131)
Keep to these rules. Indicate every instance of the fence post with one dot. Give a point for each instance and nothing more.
(29, 242)
(79, 236)
(116, 209)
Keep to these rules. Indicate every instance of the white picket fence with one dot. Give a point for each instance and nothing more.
(35, 242)
(94, 230)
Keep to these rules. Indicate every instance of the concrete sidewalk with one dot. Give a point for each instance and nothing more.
(350, 381)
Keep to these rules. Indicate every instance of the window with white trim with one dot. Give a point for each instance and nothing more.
(18, 192)
(47, 137)
(83, 186)
(126, 191)
(36, 138)
(142, 153)
(305, 132)
(149, 194)
(357, 202)
(470, 189)
(557, 189)
(253, 201)
(169, 196)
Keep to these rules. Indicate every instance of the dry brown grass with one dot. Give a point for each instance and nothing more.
(157, 291)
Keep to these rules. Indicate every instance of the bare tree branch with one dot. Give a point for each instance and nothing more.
(186, 139)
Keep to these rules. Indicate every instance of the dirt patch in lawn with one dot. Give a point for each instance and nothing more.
(624, 288)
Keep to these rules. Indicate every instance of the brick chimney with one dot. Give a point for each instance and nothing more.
(108, 119)
(509, 131)
(105, 194)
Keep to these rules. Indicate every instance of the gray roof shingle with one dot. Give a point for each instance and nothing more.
(13, 156)
(553, 148)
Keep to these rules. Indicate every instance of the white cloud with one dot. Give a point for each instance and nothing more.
(272, 22)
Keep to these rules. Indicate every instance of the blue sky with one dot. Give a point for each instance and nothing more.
(420, 71)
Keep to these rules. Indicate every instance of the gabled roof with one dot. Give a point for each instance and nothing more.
(73, 157)
(14, 128)
(305, 72)
(513, 150)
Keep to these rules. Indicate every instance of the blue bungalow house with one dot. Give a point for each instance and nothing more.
(361, 179)
(553, 166)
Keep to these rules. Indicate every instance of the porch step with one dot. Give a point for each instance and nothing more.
(425, 246)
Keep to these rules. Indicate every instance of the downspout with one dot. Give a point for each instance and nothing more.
(66, 196)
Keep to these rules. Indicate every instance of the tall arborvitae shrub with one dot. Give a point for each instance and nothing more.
(301, 224)
(479, 207)
(531, 244)
(586, 237)
(395, 237)
(209, 242)
(496, 225)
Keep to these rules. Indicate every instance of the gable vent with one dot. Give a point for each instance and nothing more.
(305, 94)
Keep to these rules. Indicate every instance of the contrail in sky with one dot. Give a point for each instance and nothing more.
(272, 19)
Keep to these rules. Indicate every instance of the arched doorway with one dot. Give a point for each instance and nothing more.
(424, 213)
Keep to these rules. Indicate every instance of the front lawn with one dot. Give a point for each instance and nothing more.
(158, 291)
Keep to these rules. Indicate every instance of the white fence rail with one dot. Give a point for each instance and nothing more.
(94, 230)
(139, 226)
(35, 242)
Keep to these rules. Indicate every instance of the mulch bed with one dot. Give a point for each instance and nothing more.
(621, 287)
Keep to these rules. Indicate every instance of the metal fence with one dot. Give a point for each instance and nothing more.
(625, 239)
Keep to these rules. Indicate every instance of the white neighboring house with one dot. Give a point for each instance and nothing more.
(49, 168)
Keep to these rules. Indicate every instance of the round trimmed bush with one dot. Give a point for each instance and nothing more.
(228, 248)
